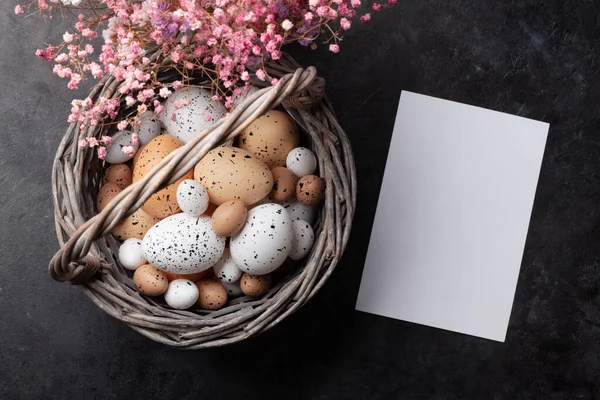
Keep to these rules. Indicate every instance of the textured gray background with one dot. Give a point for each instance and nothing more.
(538, 59)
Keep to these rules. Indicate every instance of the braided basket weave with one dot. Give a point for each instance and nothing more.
(88, 255)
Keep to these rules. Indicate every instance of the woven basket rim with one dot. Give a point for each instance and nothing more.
(87, 256)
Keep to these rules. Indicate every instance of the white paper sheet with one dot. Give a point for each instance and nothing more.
(452, 216)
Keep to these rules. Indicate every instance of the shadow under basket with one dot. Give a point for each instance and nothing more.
(88, 254)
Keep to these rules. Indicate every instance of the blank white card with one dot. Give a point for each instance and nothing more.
(452, 216)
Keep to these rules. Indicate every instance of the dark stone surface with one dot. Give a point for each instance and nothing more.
(537, 59)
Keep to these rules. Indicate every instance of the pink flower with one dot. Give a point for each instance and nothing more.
(142, 108)
(274, 81)
(345, 24)
(177, 84)
(74, 82)
(96, 70)
(376, 7)
(122, 125)
(245, 76)
(83, 143)
(129, 100)
(164, 93)
(392, 2)
(276, 55)
(134, 138)
(365, 18)
(68, 37)
(287, 25)
(106, 140)
(89, 48)
(308, 16)
(92, 141)
(355, 3)
(102, 153)
(207, 117)
(260, 74)
(129, 150)
(61, 58)
(18, 9)
(334, 48)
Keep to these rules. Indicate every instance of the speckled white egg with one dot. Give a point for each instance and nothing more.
(192, 197)
(226, 270)
(183, 244)
(299, 211)
(181, 294)
(197, 112)
(131, 255)
(301, 161)
(150, 127)
(114, 152)
(304, 238)
(233, 289)
(264, 242)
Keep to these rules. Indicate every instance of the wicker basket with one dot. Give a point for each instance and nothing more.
(88, 253)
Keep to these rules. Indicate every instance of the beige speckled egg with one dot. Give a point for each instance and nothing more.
(106, 194)
(229, 217)
(270, 138)
(284, 186)
(228, 173)
(310, 190)
(119, 174)
(150, 280)
(134, 226)
(212, 294)
(164, 202)
(255, 285)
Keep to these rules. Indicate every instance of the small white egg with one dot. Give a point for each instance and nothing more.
(299, 211)
(301, 161)
(181, 294)
(304, 238)
(233, 288)
(226, 270)
(114, 152)
(131, 255)
(192, 197)
(149, 128)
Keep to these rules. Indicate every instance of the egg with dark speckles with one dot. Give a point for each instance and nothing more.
(310, 190)
(196, 112)
(270, 138)
(150, 280)
(181, 294)
(301, 211)
(192, 197)
(149, 127)
(264, 242)
(301, 161)
(284, 186)
(134, 226)
(212, 295)
(183, 244)
(115, 153)
(164, 202)
(119, 174)
(255, 285)
(229, 217)
(225, 269)
(304, 238)
(228, 173)
(106, 194)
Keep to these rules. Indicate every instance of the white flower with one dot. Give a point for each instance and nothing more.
(287, 25)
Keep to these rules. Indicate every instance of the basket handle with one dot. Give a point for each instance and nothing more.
(76, 264)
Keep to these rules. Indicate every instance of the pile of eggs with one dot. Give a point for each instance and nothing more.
(228, 226)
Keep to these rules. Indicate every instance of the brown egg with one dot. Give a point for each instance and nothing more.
(164, 202)
(171, 276)
(228, 173)
(210, 210)
(212, 294)
(229, 218)
(106, 194)
(150, 280)
(255, 285)
(310, 190)
(119, 174)
(270, 138)
(134, 226)
(284, 186)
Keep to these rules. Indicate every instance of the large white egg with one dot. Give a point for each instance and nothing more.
(264, 242)
(149, 128)
(114, 152)
(301, 161)
(300, 211)
(181, 294)
(192, 197)
(131, 255)
(304, 238)
(226, 270)
(183, 244)
(189, 111)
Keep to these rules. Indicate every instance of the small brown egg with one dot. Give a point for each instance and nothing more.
(284, 186)
(134, 226)
(229, 218)
(119, 174)
(310, 190)
(210, 210)
(106, 194)
(255, 285)
(150, 280)
(212, 294)
(171, 276)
